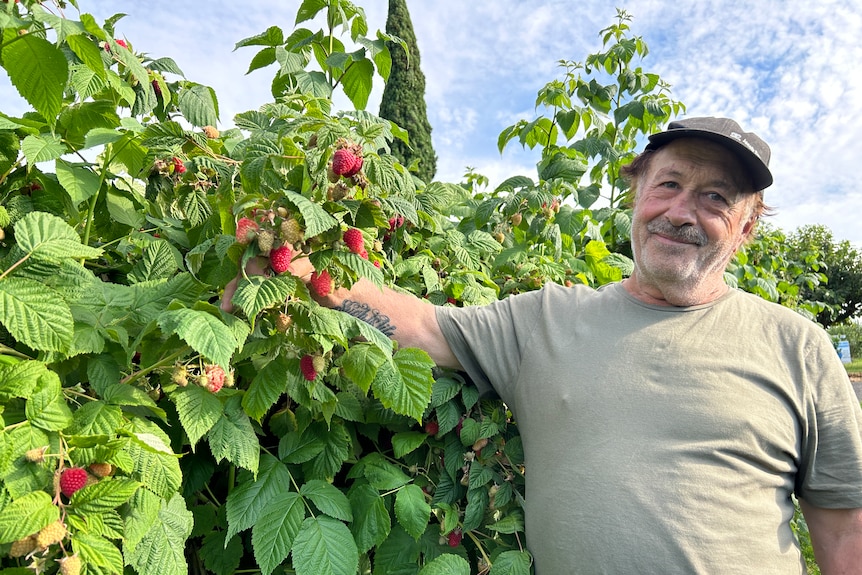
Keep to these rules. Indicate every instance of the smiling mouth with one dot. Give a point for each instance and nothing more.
(679, 235)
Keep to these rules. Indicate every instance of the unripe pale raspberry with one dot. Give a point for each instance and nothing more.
(53, 533)
(101, 469)
(319, 363)
(265, 241)
(291, 231)
(211, 132)
(283, 322)
(180, 375)
(70, 565)
(22, 547)
(36, 455)
(72, 480)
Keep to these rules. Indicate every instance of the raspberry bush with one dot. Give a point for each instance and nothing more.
(282, 436)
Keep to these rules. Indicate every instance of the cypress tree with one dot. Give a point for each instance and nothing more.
(404, 96)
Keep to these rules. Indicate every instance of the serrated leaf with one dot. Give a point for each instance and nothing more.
(27, 514)
(220, 556)
(42, 148)
(317, 220)
(446, 564)
(154, 466)
(141, 513)
(512, 563)
(79, 182)
(328, 499)
(39, 71)
(107, 494)
(46, 408)
(35, 314)
(233, 437)
(477, 505)
(20, 379)
(96, 551)
(264, 390)
(296, 447)
(381, 474)
(405, 442)
(250, 499)
(203, 332)
(412, 510)
(48, 237)
(404, 385)
(198, 105)
(360, 363)
(324, 546)
(259, 293)
(274, 533)
(162, 549)
(398, 555)
(198, 410)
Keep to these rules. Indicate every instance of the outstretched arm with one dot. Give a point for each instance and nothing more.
(410, 321)
(836, 535)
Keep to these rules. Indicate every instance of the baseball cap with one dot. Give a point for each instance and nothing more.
(751, 150)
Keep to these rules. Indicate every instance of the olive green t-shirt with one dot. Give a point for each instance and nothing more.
(665, 439)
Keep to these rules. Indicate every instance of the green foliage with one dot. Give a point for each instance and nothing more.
(403, 99)
(279, 436)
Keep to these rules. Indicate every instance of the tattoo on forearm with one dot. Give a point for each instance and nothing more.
(364, 312)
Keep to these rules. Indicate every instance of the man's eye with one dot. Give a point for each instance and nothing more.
(716, 197)
(670, 184)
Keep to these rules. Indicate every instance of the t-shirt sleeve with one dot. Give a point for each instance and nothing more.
(831, 468)
(490, 340)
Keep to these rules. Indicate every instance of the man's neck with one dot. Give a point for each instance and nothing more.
(674, 294)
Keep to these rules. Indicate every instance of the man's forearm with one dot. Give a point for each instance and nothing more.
(410, 321)
(836, 535)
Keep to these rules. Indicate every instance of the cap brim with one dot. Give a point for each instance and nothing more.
(761, 177)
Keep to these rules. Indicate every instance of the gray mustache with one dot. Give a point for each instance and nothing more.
(687, 233)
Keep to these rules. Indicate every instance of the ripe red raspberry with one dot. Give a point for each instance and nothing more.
(215, 377)
(246, 230)
(306, 366)
(179, 167)
(121, 42)
(364, 254)
(395, 222)
(343, 162)
(156, 87)
(432, 427)
(455, 537)
(353, 239)
(357, 165)
(72, 479)
(321, 283)
(279, 259)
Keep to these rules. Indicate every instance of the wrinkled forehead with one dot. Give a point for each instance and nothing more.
(704, 156)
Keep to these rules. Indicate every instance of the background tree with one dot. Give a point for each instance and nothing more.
(842, 266)
(404, 96)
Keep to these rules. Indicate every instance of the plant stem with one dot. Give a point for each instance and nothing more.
(166, 361)
(4, 350)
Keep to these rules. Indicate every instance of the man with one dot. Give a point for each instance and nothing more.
(667, 420)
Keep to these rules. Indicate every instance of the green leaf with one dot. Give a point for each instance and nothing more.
(405, 442)
(35, 314)
(80, 182)
(371, 521)
(446, 564)
(357, 82)
(296, 447)
(205, 333)
(199, 105)
(42, 148)
(250, 499)
(47, 237)
(233, 437)
(274, 533)
(412, 510)
(198, 410)
(265, 389)
(39, 71)
(324, 546)
(20, 379)
(46, 408)
(328, 499)
(404, 385)
(220, 556)
(86, 50)
(107, 494)
(380, 473)
(398, 555)
(96, 552)
(258, 293)
(360, 363)
(512, 563)
(27, 514)
(155, 465)
(317, 220)
(162, 549)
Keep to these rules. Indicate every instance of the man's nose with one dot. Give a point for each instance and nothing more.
(682, 209)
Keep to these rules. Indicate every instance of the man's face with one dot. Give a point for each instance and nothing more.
(691, 213)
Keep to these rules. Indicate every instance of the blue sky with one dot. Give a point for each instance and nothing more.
(786, 69)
